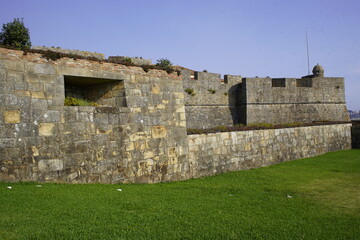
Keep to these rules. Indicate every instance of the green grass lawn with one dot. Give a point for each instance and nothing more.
(314, 198)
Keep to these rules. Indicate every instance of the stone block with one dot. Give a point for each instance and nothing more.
(101, 118)
(158, 132)
(15, 77)
(37, 103)
(22, 93)
(51, 116)
(178, 95)
(7, 87)
(50, 165)
(137, 136)
(155, 89)
(7, 142)
(39, 95)
(44, 69)
(14, 65)
(12, 116)
(104, 129)
(46, 129)
(36, 86)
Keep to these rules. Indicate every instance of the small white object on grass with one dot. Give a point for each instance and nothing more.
(38, 185)
(288, 196)
(119, 189)
(9, 187)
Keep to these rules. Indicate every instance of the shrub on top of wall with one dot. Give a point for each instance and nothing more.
(126, 61)
(164, 64)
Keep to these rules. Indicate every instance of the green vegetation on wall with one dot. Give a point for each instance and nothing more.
(71, 101)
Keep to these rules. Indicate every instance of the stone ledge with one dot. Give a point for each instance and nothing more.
(98, 56)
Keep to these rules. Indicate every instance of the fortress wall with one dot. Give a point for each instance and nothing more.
(211, 154)
(298, 100)
(214, 102)
(141, 140)
(43, 140)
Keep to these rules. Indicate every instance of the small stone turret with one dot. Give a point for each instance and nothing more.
(318, 71)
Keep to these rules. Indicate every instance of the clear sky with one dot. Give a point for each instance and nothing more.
(248, 38)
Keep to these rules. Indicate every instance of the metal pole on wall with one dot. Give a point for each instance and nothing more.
(307, 48)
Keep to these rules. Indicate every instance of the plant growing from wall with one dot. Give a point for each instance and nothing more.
(14, 34)
(190, 91)
(71, 101)
(212, 91)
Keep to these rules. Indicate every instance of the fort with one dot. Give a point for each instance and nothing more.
(138, 133)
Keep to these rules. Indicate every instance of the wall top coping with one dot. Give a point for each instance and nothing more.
(18, 55)
(349, 124)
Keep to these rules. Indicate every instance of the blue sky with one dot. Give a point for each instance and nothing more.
(248, 38)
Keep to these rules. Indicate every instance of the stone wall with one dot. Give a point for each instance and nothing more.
(297, 100)
(234, 100)
(355, 134)
(140, 138)
(214, 102)
(42, 140)
(232, 151)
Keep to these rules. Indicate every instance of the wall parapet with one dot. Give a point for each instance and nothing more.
(98, 56)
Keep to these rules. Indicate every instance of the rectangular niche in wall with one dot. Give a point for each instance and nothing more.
(304, 82)
(105, 92)
(278, 82)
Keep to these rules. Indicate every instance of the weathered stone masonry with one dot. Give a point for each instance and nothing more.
(251, 100)
(232, 151)
(42, 140)
(137, 135)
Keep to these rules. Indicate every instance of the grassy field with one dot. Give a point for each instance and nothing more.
(314, 198)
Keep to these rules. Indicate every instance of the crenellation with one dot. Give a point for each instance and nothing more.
(232, 79)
